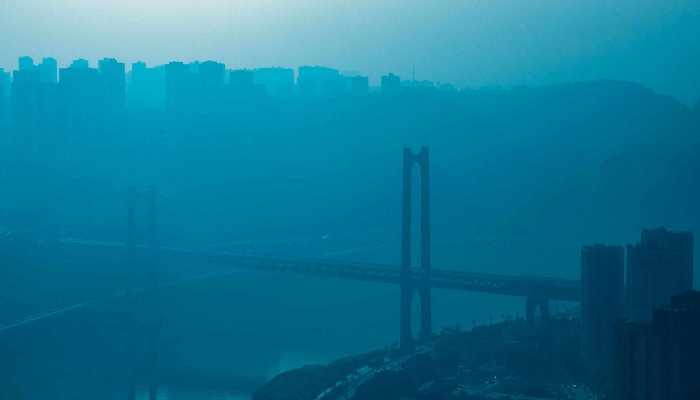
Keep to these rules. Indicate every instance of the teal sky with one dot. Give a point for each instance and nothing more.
(468, 42)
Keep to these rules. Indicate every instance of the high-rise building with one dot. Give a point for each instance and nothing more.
(5, 83)
(25, 63)
(34, 107)
(602, 303)
(209, 89)
(390, 83)
(242, 88)
(637, 306)
(81, 94)
(241, 79)
(48, 71)
(81, 79)
(319, 81)
(113, 76)
(357, 85)
(212, 76)
(180, 86)
(80, 63)
(660, 266)
(277, 82)
(198, 86)
(632, 361)
(25, 105)
(676, 332)
(657, 360)
(146, 87)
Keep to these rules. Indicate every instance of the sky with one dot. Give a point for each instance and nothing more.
(469, 43)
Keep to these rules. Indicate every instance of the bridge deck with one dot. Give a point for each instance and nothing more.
(462, 280)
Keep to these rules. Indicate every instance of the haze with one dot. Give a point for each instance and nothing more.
(349, 199)
(467, 43)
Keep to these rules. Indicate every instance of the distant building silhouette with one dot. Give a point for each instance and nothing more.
(357, 85)
(26, 74)
(146, 87)
(48, 71)
(34, 107)
(660, 266)
(80, 63)
(209, 88)
(319, 82)
(657, 360)
(242, 86)
(26, 106)
(212, 76)
(390, 83)
(113, 77)
(194, 87)
(5, 83)
(26, 63)
(241, 79)
(81, 94)
(179, 86)
(278, 82)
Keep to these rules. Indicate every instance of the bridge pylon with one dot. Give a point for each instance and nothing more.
(408, 284)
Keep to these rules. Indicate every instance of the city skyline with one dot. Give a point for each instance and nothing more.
(469, 44)
(377, 82)
(130, 66)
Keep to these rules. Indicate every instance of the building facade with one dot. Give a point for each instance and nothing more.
(602, 303)
(657, 360)
(658, 267)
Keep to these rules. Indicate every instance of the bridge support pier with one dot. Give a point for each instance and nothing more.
(408, 285)
(534, 303)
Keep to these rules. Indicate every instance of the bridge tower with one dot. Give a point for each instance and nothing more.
(408, 285)
(153, 314)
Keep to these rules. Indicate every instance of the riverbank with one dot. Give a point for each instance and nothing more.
(511, 359)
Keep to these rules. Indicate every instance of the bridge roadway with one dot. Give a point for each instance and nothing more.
(521, 286)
